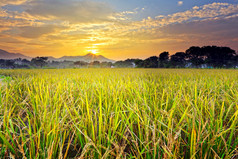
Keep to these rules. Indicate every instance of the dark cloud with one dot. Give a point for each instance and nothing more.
(218, 26)
(207, 32)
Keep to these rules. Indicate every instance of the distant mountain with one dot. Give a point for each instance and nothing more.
(7, 55)
(86, 58)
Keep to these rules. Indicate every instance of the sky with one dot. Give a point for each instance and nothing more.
(117, 29)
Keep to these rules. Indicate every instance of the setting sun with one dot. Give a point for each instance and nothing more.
(93, 51)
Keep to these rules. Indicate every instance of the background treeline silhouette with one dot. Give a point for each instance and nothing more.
(194, 57)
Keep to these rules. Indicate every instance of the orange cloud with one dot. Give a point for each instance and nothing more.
(15, 2)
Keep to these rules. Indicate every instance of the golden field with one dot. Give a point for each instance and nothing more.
(119, 113)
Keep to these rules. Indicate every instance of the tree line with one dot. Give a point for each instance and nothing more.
(194, 57)
(43, 62)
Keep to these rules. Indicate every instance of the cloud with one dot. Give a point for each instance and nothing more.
(180, 3)
(213, 10)
(72, 11)
(125, 15)
(32, 32)
(206, 27)
(10, 40)
(68, 37)
(195, 7)
(54, 26)
(213, 24)
(220, 32)
(16, 19)
(150, 28)
(15, 2)
(38, 31)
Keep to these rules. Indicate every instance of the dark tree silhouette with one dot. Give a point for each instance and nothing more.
(178, 59)
(106, 64)
(164, 56)
(218, 56)
(126, 63)
(26, 61)
(151, 62)
(80, 63)
(9, 64)
(196, 56)
(235, 61)
(214, 56)
(139, 63)
(163, 59)
(94, 64)
(39, 61)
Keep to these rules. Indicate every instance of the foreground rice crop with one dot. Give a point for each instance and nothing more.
(119, 113)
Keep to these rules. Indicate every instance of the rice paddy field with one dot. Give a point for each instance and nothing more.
(119, 113)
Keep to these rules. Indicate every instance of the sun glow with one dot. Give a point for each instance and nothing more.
(93, 51)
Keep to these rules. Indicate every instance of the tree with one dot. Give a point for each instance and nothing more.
(151, 62)
(80, 63)
(126, 63)
(39, 61)
(106, 64)
(139, 63)
(9, 64)
(163, 59)
(94, 64)
(235, 61)
(26, 61)
(196, 56)
(219, 56)
(178, 59)
(211, 55)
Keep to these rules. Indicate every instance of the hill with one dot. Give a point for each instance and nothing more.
(7, 55)
(86, 58)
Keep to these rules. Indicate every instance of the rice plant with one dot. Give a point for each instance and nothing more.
(119, 113)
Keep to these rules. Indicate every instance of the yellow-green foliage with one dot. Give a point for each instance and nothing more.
(119, 113)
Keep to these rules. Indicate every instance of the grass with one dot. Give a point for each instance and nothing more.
(4, 78)
(119, 113)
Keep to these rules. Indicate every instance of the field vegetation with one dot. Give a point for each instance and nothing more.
(119, 113)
